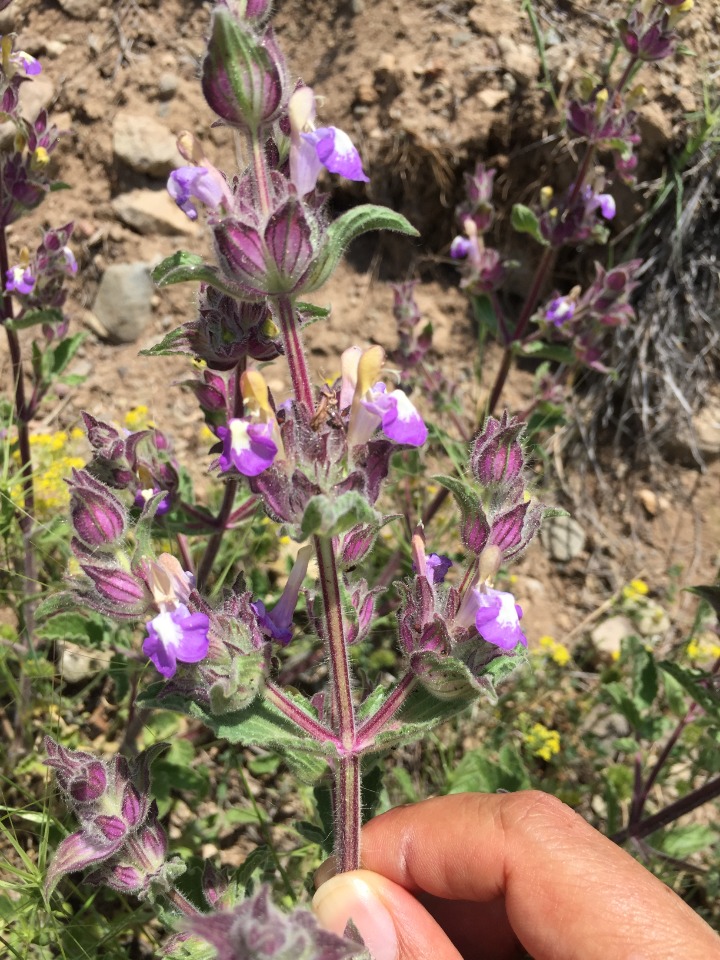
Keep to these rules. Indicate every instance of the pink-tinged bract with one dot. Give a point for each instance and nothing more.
(249, 447)
(176, 635)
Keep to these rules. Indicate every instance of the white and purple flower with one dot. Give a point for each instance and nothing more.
(176, 635)
(495, 615)
(313, 148)
(20, 279)
(247, 446)
(372, 405)
(560, 311)
(188, 184)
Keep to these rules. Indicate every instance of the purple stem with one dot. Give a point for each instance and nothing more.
(346, 769)
(294, 353)
(686, 804)
(384, 714)
(309, 725)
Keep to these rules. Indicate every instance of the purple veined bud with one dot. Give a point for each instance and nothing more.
(214, 885)
(133, 808)
(117, 586)
(122, 877)
(474, 532)
(497, 455)
(243, 76)
(79, 774)
(507, 528)
(153, 841)
(112, 828)
(97, 516)
(91, 785)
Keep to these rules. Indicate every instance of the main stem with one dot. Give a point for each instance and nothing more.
(294, 353)
(346, 767)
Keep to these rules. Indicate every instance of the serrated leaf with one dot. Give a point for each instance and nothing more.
(523, 220)
(464, 495)
(329, 516)
(347, 228)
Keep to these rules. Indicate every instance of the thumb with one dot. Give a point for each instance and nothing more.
(390, 920)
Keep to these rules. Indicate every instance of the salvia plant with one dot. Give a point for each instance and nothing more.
(314, 461)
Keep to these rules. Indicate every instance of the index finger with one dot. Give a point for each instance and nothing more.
(569, 892)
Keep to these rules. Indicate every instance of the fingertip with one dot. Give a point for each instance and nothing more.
(393, 925)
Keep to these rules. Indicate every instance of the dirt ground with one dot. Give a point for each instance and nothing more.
(425, 89)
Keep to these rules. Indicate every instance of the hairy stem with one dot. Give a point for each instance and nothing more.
(346, 768)
(383, 715)
(294, 353)
(309, 725)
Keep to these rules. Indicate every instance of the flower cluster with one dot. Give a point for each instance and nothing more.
(649, 32)
(38, 281)
(120, 835)
(54, 456)
(583, 319)
(556, 651)
(609, 123)
(542, 742)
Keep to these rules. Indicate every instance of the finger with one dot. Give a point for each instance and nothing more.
(393, 924)
(569, 892)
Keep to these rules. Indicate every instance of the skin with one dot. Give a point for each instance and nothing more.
(488, 877)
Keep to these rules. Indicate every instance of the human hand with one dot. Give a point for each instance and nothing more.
(485, 877)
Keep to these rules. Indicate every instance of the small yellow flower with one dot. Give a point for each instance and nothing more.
(543, 743)
(557, 652)
(635, 590)
(138, 418)
(206, 434)
(700, 649)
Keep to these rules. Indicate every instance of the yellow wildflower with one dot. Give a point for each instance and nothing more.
(138, 418)
(543, 742)
(635, 590)
(556, 651)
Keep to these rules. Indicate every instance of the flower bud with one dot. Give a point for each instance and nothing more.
(97, 515)
(243, 77)
(497, 455)
(117, 586)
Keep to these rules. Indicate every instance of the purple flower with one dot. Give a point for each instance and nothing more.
(560, 310)
(278, 623)
(460, 248)
(176, 635)
(312, 149)
(437, 567)
(142, 497)
(249, 447)
(395, 411)
(496, 617)
(20, 279)
(29, 64)
(606, 203)
(187, 184)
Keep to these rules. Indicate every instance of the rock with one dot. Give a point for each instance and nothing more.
(122, 303)
(152, 212)
(563, 538)
(608, 635)
(652, 620)
(79, 663)
(490, 99)
(144, 145)
(167, 85)
(655, 128)
(520, 59)
(79, 9)
(55, 48)
(702, 440)
(649, 500)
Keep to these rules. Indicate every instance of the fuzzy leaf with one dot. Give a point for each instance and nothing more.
(76, 852)
(539, 350)
(166, 347)
(464, 495)
(360, 539)
(257, 725)
(523, 220)
(683, 840)
(31, 318)
(329, 516)
(347, 228)
(183, 266)
(692, 682)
